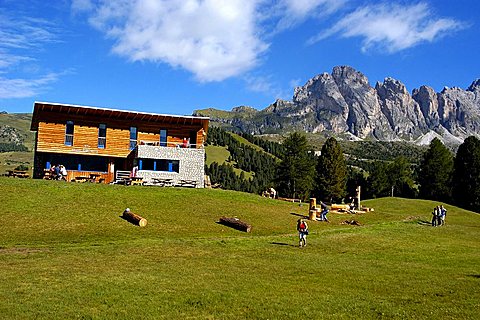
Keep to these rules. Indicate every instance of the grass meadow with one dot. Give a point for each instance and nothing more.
(65, 253)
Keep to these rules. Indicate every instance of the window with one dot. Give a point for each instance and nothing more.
(69, 133)
(102, 135)
(160, 165)
(133, 137)
(163, 138)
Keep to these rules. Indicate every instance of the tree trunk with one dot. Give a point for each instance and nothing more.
(236, 224)
(134, 218)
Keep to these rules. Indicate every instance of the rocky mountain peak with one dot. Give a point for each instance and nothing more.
(344, 102)
(474, 86)
(391, 87)
(346, 74)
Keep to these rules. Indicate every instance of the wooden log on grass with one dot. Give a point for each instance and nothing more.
(134, 218)
(340, 206)
(236, 224)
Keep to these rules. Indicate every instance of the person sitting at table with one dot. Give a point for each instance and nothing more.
(57, 175)
(63, 173)
(52, 172)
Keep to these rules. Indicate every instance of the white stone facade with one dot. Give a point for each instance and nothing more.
(191, 164)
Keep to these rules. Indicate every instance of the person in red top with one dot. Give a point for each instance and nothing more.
(302, 229)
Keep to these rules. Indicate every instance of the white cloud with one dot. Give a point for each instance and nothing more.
(391, 27)
(293, 12)
(24, 88)
(19, 37)
(213, 39)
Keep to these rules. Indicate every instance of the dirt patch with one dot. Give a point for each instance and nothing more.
(411, 218)
(15, 250)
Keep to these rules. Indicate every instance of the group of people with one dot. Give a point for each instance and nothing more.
(58, 172)
(438, 216)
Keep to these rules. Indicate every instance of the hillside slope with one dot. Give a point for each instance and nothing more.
(66, 253)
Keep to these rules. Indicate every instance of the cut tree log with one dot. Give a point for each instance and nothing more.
(236, 224)
(340, 206)
(134, 218)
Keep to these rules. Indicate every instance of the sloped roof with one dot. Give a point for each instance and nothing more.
(40, 107)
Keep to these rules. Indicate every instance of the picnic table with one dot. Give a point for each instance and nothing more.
(163, 182)
(136, 181)
(82, 179)
(187, 183)
(17, 174)
(94, 176)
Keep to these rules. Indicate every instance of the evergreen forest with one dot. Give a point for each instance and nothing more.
(295, 170)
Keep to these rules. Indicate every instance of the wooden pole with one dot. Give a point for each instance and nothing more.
(357, 204)
(313, 203)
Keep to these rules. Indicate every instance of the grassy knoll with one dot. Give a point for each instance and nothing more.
(220, 155)
(66, 253)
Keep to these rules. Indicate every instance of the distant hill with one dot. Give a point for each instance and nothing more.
(344, 104)
(15, 128)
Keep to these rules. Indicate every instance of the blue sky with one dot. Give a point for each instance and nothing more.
(171, 56)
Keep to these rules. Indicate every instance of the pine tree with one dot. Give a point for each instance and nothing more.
(296, 172)
(400, 177)
(435, 172)
(466, 177)
(331, 172)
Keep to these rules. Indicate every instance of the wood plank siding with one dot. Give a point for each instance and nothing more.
(50, 122)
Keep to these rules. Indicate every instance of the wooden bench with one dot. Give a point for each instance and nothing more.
(136, 181)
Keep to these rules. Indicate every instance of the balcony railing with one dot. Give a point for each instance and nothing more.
(69, 139)
(102, 142)
(171, 144)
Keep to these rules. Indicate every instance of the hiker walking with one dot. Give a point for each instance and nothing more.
(302, 229)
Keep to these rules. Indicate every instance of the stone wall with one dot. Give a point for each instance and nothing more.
(191, 163)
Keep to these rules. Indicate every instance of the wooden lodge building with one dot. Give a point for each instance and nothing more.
(102, 143)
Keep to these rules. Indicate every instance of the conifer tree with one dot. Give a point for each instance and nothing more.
(331, 172)
(466, 177)
(296, 172)
(435, 172)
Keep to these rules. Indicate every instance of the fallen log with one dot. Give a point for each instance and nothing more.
(134, 218)
(235, 223)
(340, 206)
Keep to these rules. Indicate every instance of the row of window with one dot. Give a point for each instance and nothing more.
(102, 136)
(159, 165)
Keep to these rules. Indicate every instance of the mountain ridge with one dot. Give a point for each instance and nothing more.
(344, 102)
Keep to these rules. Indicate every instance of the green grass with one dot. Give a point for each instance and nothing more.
(220, 155)
(11, 160)
(246, 142)
(65, 254)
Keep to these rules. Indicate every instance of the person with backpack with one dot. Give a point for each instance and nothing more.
(302, 229)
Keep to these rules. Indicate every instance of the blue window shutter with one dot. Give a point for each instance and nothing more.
(170, 166)
(154, 165)
(79, 167)
(139, 164)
